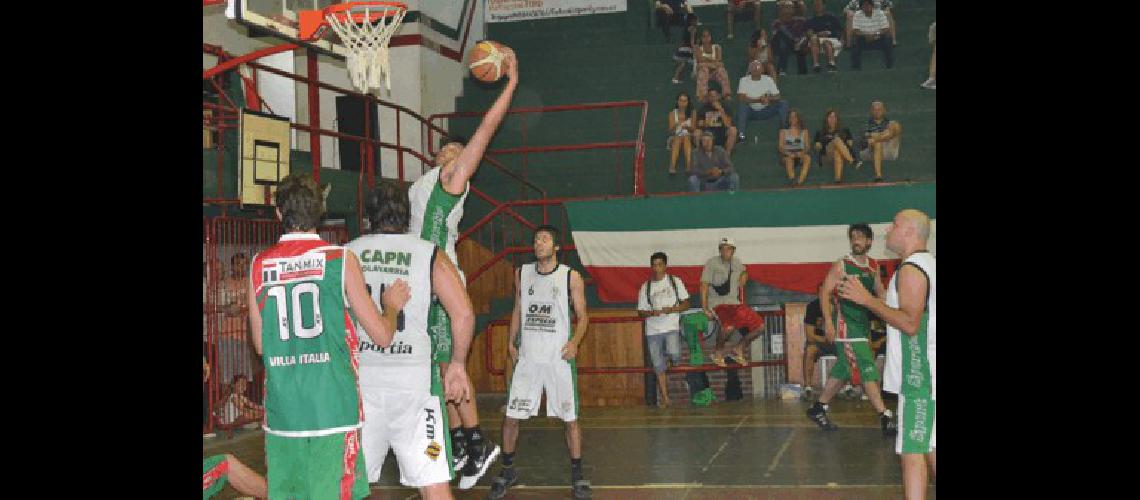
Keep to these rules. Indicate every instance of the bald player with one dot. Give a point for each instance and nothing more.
(909, 311)
(436, 207)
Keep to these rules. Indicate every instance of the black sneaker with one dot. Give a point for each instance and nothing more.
(831, 68)
(818, 415)
(890, 427)
(501, 482)
(481, 459)
(816, 69)
(740, 139)
(458, 454)
(581, 489)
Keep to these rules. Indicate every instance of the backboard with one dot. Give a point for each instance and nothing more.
(278, 18)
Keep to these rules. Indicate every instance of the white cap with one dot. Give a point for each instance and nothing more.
(727, 241)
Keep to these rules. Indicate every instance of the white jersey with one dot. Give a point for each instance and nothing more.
(545, 313)
(385, 258)
(419, 195)
(893, 371)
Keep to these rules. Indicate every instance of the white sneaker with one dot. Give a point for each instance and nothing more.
(676, 81)
(209, 435)
(929, 84)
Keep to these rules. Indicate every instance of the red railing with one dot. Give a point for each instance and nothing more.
(489, 356)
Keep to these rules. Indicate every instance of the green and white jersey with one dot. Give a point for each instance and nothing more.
(404, 364)
(911, 360)
(545, 310)
(307, 338)
(853, 321)
(436, 213)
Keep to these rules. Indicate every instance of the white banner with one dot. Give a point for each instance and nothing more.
(501, 11)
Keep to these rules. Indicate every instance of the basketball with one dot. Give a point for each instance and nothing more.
(486, 61)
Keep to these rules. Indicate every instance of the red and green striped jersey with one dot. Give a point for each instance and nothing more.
(853, 321)
(307, 338)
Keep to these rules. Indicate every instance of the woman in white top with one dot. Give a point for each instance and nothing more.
(681, 119)
(710, 59)
(792, 144)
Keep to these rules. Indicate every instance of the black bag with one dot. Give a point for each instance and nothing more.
(698, 381)
(723, 288)
(733, 391)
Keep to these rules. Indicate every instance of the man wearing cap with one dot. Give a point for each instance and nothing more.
(722, 286)
(712, 169)
(758, 99)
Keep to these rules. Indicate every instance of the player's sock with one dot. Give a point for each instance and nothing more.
(575, 469)
(457, 435)
(508, 459)
(474, 437)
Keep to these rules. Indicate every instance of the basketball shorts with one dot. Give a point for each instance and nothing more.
(317, 467)
(414, 426)
(835, 43)
(856, 362)
(214, 470)
(916, 424)
(530, 378)
(738, 316)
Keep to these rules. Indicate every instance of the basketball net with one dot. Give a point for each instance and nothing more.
(367, 44)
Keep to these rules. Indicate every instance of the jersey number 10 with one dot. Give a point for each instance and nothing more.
(298, 327)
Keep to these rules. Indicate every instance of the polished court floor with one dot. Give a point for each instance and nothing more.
(749, 449)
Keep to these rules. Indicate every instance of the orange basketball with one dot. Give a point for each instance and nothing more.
(486, 61)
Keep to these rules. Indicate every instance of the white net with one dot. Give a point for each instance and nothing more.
(367, 44)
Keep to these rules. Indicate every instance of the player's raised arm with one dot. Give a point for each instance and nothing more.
(454, 175)
(449, 288)
(379, 327)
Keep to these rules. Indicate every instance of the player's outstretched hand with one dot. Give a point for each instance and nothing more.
(512, 63)
(570, 350)
(852, 289)
(456, 385)
(396, 296)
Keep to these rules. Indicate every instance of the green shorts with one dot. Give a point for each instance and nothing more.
(916, 424)
(214, 470)
(859, 354)
(439, 329)
(319, 467)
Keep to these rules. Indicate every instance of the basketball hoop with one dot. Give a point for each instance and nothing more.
(365, 29)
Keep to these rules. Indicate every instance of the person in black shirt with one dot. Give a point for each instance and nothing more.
(833, 143)
(816, 344)
(824, 32)
(670, 12)
(713, 118)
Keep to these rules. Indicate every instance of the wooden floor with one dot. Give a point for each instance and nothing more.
(750, 449)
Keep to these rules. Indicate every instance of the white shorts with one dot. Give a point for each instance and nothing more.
(413, 426)
(836, 45)
(558, 379)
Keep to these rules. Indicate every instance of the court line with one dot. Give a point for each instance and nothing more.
(776, 459)
(725, 444)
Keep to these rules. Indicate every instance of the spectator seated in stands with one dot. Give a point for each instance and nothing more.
(684, 53)
(853, 7)
(713, 170)
(834, 144)
(238, 409)
(713, 118)
(759, 50)
(670, 12)
(758, 99)
(871, 30)
(735, 7)
(793, 146)
(882, 139)
(789, 35)
(682, 128)
(824, 35)
(929, 83)
(710, 61)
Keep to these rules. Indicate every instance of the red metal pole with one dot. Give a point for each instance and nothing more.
(522, 125)
(230, 64)
(314, 113)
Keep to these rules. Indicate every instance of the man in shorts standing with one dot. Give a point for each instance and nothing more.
(660, 301)
(401, 386)
(302, 330)
(909, 311)
(726, 276)
(437, 199)
(849, 325)
(545, 355)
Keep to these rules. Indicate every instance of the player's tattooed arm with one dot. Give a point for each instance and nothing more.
(455, 176)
